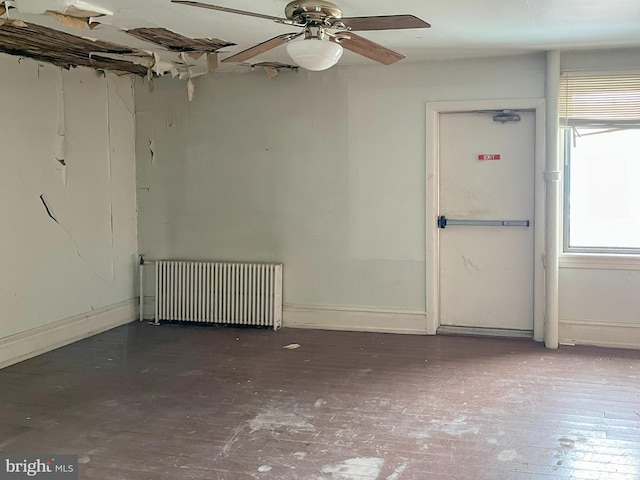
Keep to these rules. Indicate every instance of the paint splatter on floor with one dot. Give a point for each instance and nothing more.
(355, 469)
(508, 455)
(397, 472)
(274, 421)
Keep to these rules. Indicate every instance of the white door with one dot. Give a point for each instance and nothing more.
(486, 176)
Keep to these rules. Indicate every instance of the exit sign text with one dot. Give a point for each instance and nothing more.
(489, 156)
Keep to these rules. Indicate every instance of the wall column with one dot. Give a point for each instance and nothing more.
(552, 178)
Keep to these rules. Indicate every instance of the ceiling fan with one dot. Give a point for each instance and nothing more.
(322, 47)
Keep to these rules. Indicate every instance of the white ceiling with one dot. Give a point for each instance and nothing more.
(460, 28)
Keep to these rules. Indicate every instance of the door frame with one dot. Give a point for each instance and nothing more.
(434, 110)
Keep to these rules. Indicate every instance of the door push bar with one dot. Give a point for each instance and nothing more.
(444, 221)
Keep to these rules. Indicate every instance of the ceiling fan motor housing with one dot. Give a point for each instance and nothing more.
(312, 11)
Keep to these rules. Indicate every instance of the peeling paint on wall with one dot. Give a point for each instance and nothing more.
(60, 143)
(190, 89)
(110, 146)
(72, 246)
(152, 151)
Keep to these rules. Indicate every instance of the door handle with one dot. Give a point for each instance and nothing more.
(444, 221)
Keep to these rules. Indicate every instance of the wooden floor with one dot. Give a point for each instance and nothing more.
(192, 402)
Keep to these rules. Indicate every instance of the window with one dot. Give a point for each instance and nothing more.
(600, 118)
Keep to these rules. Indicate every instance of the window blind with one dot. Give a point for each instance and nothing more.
(611, 99)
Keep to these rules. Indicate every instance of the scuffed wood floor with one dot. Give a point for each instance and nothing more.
(193, 402)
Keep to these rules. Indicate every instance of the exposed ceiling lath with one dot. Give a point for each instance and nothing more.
(276, 65)
(45, 44)
(178, 43)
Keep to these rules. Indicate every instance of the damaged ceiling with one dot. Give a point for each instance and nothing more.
(48, 45)
(72, 33)
(160, 37)
(178, 43)
(36, 40)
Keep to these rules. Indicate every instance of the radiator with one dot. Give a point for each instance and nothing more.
(214, 292)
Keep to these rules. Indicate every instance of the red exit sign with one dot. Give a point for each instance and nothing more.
(489, 156)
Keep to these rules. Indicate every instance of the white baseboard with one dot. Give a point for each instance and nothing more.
(600, 334)
(361, 319)
(323, 317)
(21, 346)
(484, 332)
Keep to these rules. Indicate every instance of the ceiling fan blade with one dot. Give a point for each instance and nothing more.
(262, 47)
(386, 22)
(369, 49)
(228, 10)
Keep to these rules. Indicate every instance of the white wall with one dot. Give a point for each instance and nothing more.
(599, 295)
(324, 172)
(52, 271)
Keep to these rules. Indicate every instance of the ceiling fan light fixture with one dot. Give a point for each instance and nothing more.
(315, 54)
